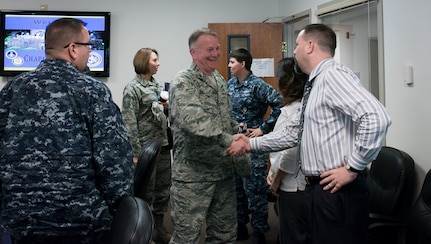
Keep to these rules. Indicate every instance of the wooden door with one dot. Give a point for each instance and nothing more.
(265, 42)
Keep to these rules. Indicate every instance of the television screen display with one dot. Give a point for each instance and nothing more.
(23, 44)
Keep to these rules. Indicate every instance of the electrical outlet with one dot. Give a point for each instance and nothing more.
(44, 7)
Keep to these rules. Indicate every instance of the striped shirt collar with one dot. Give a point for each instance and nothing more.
(316, 71)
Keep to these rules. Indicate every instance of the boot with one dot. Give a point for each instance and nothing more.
(160, 234)
(242, 232)
(259, 238)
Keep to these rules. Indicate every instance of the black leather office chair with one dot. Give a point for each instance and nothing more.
(133, 222)
(391, 181)
(145, 166)
(419, 223)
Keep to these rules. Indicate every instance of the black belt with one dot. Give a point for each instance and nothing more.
(312, 180)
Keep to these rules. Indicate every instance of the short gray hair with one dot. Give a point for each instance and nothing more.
(199, 32)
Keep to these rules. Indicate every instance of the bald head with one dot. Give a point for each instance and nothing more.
(314, 43)
(65, 39)
(323, 35)
(61, 32)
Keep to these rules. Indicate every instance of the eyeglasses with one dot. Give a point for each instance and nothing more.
(89, 44)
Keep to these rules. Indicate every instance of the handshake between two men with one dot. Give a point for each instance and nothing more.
(241, 141)
(240, 145)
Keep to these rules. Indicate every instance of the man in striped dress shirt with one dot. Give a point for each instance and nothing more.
(344, 129)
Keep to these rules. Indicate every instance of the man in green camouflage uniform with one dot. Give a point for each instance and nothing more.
(203, 185)
(65, 155)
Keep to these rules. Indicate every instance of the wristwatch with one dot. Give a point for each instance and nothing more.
(353, 169)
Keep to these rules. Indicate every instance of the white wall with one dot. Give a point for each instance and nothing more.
(407, 41)
(163, 25)
(166, 25)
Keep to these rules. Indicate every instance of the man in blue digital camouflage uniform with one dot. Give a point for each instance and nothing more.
(251, 97)
(65, 155)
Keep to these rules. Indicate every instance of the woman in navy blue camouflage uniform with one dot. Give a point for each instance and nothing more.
(251, 97)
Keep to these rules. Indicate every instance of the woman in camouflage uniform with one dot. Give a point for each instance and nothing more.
(144, 116)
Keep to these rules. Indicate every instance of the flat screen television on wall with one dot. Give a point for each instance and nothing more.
(23, 39)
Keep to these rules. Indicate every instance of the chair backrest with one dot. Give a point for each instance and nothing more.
(391, 179)
(419, 223)
(133, 222)
(145, 166)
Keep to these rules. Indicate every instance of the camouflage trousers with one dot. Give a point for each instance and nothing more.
(158, 190)
(192, 203)
(251, 194)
